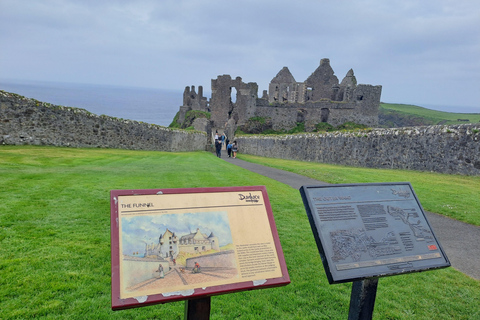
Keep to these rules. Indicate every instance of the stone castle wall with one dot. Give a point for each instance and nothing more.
(321, 98)
(218, 260)
(286, 116)
(26, 121)
(444, 149)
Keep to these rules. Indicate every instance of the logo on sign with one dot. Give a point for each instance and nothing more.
(400, 193)
(249, 197)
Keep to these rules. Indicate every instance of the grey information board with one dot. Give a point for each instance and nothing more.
(371, 230)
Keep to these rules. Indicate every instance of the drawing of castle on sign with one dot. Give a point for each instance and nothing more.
(175, 250)
(169, 245)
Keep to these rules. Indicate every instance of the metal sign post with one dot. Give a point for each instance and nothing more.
(362, 299)
(197, 309)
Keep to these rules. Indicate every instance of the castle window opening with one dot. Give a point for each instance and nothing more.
(276, 94)
(309, 93)
(324, 113)
(233, 94)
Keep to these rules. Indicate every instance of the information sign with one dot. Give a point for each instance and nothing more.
(178, 244)
(371, 230)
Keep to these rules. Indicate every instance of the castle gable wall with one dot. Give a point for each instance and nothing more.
(322, 83)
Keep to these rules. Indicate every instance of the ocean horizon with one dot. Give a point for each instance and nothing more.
(150, 105)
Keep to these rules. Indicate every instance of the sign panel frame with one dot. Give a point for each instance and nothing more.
(371, 230)
(181, 244)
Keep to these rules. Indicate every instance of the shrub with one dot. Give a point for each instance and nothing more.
(323, 126)
(351, 126)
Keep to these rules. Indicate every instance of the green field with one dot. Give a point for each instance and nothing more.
(454, 196)
(55, 242)
(418, 115)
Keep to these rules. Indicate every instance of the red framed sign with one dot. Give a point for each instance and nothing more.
(178, 244)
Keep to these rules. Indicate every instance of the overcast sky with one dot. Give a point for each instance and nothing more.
(423, 52)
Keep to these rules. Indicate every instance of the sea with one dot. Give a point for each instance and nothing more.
(150, 105)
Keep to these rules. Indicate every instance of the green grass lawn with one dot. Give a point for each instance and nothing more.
(55, 243)
(454, 196)
(433, 116)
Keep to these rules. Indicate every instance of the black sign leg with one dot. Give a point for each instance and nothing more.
(362, 300)
(197, 309)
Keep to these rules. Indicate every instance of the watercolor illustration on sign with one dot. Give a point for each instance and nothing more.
(175, 250)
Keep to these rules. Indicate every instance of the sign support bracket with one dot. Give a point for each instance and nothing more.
(198, 309)
(362, 299)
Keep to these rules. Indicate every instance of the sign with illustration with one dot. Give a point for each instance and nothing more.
(371, 230)
(178, 244)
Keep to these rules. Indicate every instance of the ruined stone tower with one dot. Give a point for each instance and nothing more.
(223, 108)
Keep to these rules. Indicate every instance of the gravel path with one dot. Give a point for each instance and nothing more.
(459, 240)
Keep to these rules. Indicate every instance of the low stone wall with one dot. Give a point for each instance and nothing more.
(445, 149)
(222, 259)
(28, 121)
(140, 270)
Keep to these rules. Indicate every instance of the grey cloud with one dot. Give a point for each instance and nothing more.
(402, 44)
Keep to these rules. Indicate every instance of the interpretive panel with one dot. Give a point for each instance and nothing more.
(177, 244)
(371, 230)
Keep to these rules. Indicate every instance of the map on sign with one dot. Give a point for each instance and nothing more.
(371, 230)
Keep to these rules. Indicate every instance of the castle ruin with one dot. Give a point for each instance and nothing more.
(320, 98)
(169, 245)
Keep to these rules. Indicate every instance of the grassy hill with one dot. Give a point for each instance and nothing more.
(401, 115)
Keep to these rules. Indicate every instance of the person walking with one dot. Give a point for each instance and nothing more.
(234, 149)
(218, 148)
(160, 271)
(229, 149)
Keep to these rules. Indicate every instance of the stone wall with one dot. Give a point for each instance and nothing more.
(321, 98)
(445, 149)
(286, 116)
(28, 121)
(217, 260)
